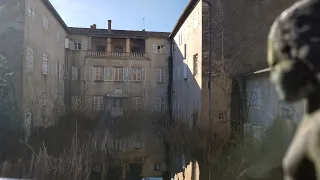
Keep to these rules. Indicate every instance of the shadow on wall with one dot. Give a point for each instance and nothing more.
(11, 40)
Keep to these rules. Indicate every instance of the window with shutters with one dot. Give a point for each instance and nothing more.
(76, 72)
(45, 22)
(31, 9)
(195, 64)
(45, 64)
(136, 74)
(97, 103)
(29, 59)
(161, 75)
(118, 74)
(161, 103)
(75, 102)
(137, 102)
(98, 73)
(159, 49)
(196, 20)
(77, 45)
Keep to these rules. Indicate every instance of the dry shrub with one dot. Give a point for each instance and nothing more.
(71, 164)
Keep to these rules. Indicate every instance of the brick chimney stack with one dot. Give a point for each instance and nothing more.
(109, 26)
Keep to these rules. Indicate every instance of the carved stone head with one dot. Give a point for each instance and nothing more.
(293, 54)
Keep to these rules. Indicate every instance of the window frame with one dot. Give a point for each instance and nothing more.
(97, 100)
(135, 73)
(161, 75)
(77, 44)
(161, 103)
(100, 72)
(118, 72)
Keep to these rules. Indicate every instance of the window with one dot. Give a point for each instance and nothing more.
(159, 49)
(31, 10)
(136, 74)
(45, 22)
(196, 20)
(98, 73)
(44, 64)
(58, 36)
(157, 167)
(222, 115)
(97, 103)
(160, 103)
(75, 101)
(76, 73)
(29, 59)
(77, 45)
(118, 72)
(101, 48)
(137, 102)
(161, 75)
(195, 64)
(108, 73)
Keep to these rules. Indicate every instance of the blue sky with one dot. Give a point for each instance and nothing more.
(160, 15)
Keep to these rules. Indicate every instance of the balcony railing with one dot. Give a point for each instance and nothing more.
(136, 55)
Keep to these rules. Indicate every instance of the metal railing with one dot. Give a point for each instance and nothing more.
(136, 55)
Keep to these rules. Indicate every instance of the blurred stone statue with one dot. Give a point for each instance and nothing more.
(294, 59)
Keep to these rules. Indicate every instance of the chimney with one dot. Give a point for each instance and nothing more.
(94, 26)
(91, 26)
(109, 26)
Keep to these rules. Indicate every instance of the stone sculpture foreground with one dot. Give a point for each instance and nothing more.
(294, 59)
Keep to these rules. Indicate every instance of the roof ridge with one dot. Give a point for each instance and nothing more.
(119, 30)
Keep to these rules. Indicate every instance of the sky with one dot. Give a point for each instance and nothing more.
(160, 15)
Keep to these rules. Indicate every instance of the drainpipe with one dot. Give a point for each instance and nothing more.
(210, 57)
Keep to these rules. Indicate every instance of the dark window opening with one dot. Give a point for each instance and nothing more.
(101, 48)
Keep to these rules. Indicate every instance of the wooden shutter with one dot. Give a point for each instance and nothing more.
(125, 74)
(158, 75)
(106, 73)
(91, 73)
(61, 70)
(84, 45)
(129, 74)
(111, 73)
(163, 75)
(144, 75)
(154, 48)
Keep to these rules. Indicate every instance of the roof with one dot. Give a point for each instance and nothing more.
(186, 12)
(55, 14)
(117, 33)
